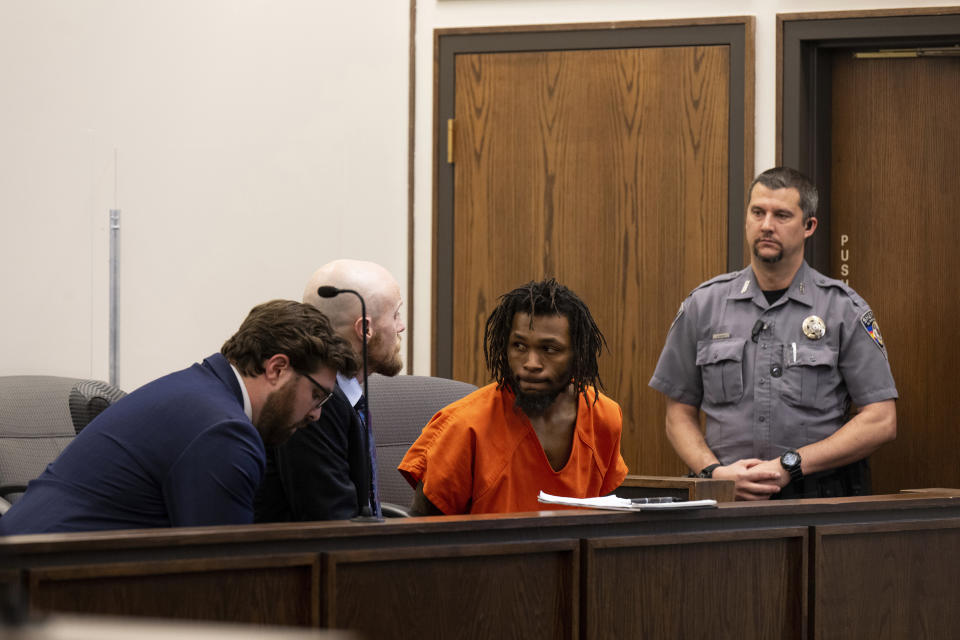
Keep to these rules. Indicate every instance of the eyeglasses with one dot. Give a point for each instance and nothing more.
(326, 392)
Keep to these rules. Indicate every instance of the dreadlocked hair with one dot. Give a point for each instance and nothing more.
(546, 298)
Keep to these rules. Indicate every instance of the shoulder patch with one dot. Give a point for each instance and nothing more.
(869, 324)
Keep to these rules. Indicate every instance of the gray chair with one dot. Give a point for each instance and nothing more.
(39, 416)
(400, 407)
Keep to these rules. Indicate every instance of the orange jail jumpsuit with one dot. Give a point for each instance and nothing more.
(480, 455)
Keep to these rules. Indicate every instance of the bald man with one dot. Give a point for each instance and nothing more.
(326, 472)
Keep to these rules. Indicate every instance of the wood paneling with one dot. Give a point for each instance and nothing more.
(739, 570)
(894, 236)
(606, 169)
(887, 581)
(730, 585)
(677, 487)
(265, 590)
(476, 591)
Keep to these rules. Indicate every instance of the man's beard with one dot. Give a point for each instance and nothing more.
(389, 364)
(275, 422)
(768, 259)
(534, 403)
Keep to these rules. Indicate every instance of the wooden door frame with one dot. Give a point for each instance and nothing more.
(805, 42)
(736, 32)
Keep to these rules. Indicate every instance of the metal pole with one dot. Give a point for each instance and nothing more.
(114, 294)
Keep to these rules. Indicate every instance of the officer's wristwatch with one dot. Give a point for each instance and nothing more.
(708, 470)
(790, 460)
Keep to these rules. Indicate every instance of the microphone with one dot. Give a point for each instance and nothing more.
(328, 291)
(758, 326)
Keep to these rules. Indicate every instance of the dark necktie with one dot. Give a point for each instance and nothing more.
(361, 409)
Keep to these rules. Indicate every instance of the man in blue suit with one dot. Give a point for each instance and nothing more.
(188, 449)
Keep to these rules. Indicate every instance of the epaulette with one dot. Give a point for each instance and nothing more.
(720, 279)
(825, 282)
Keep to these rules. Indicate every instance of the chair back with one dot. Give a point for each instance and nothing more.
(39, 416)
(400, 407)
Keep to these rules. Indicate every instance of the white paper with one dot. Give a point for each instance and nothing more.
(623, 504)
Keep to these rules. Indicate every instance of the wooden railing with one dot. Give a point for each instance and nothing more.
(792, 569)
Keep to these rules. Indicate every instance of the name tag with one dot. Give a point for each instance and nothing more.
(720, 336)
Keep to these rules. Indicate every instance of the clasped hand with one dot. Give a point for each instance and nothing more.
(754, 479)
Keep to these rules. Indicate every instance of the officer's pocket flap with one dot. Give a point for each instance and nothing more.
(812, 356)
(714, 351)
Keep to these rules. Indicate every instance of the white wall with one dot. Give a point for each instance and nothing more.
(434, 14)
(245, 141)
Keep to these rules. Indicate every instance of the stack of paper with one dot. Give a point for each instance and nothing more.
(624, 504)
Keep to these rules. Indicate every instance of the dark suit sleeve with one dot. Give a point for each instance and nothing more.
(315, 474)
(214, 479)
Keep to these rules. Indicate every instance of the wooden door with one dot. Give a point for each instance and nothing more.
(895, 235)
(607, 169)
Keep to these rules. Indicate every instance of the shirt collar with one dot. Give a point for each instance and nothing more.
(247, 408)
(350, 387)
(801, 289)
(745, 287)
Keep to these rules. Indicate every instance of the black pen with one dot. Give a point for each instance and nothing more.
(654, 500)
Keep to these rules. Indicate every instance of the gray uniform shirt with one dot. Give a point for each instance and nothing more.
(786, 389)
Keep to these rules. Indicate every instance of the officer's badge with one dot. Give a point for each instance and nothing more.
(814, 327)
(870, 326)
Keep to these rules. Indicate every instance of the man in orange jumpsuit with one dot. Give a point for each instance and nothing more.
(542, 425)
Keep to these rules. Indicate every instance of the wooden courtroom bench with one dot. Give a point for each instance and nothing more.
(839, 567)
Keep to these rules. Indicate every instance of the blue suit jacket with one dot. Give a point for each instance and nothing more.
(178, 451)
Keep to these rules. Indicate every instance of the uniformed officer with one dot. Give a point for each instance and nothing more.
(773, 355)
